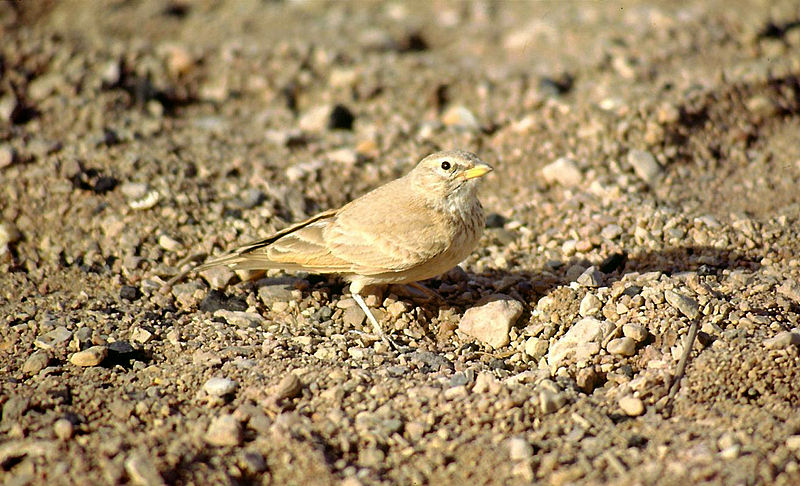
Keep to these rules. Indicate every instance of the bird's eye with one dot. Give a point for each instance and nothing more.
(445, 165)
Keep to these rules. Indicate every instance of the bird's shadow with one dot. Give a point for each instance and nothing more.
(461, 290)
(702, 260)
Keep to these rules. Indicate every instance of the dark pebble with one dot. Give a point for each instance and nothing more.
(341, 118)
(494, 220)
(129, 292)
(497, 364)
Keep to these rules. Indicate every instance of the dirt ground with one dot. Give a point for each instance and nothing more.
(647, 162)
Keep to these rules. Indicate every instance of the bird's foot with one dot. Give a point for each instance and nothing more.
(376, 327)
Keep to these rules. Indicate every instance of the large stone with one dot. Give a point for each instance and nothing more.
(491, 322)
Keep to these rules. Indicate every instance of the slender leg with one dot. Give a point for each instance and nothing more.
(375, 326)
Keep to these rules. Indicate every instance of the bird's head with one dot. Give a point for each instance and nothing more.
(450, 175)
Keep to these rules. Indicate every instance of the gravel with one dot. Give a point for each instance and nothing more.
(641, 185)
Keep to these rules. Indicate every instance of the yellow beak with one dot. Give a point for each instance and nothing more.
(477, 171)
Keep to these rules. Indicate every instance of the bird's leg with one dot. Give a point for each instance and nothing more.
(376, 327)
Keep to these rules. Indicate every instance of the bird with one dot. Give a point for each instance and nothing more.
(411, 229)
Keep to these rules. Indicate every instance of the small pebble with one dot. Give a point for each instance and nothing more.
(793, 442)
(219, 387)
(631, 406)
(623, 346)
(635, 331)
(89, 357)
(240, 318)
(591, 277)
(536, 348)
(224, 430)
(460, 117)
(564, 171)
(7, 156)
(169, 243)
(519, 449)
(590, 305)
(35, 363)
(54, 338)
(289, 387)
(142, 470)
(353, 317)
(63, 429)
(218, 277)
(141, 335)
(550, 401)
(611, 231)
(644, 166)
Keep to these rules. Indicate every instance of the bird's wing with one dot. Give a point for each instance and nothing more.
(386, 231)
(298, 247)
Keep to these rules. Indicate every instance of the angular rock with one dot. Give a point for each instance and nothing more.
(54, 338)
(791, 290)
(685, 305)
(353, 316)
(550, 401)
(491, 322)
(591, 277)
(224, 430)
(635, 331)
(188, 294)
(275, 292)
(289, 387)
(783, 340)
(536, 348)
(519, 449)
(218, 277)
(584, 331)
(141, 335)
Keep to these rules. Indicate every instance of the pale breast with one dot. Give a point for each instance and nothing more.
(468, 227)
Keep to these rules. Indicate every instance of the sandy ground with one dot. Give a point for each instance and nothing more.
(647, 160)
